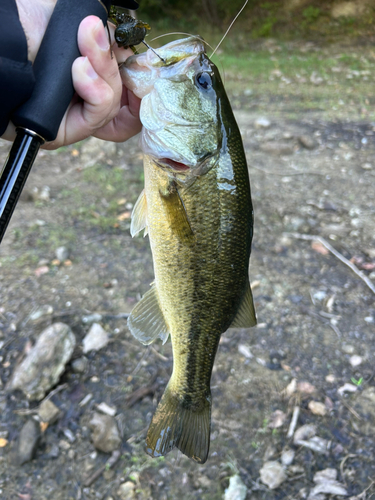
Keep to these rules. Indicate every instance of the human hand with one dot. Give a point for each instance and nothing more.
(102, 106)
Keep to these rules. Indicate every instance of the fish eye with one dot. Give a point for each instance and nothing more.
(204, 80)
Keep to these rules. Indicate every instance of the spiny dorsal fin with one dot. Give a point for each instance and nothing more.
(245, 317)
(146, 321)
(176, 213)
(175, 424)
(139, 215)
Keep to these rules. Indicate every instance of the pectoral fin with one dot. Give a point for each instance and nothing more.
(176, 213)
(246, 316)
(139, 215)
(146, 321)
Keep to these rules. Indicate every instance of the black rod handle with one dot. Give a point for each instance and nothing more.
(53, 90)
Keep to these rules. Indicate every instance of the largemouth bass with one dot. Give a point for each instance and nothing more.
(197, 210)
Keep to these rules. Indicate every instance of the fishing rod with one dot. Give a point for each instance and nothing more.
(38, 119)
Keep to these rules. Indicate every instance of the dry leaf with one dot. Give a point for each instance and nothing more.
(39, 271)
(75, 152)
(68, 263)
(3, 442)
(43, 426)
(124, 215)
(318, 247)
(278, 418)
(306, 388)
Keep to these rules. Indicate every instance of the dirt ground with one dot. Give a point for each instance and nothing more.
(311, 175)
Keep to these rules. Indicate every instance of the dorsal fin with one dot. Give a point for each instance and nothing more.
(245, 317)
(139, 215)
(146, 321)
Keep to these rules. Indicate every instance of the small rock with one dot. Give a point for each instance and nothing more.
(80, 365)
(365, 406)
(245, 351)
(45, 362)
(307, 142)
(95, 339)
(305, 432)
(355, 360)
(236, 489)
(296, 469)
(272, 474)
(287, 456)
(92, 318)
(347, 388)
(317, 408)
(62, 253)
(69, 435)
(262, 122)
(366, 166)
(48, 412)
(291, 388)
(64, 445)
(28, 441)
(108, 410)
(347, 349)
(277, 419)
(325, 475)
(105, 435)
(45, 310)
(126, 491)
(330, 378)
(44, 194)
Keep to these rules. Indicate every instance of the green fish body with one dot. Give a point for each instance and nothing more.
(197, 210)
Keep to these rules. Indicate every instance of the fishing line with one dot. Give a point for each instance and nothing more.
(231, 24)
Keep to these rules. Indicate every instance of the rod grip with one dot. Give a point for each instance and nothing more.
(53, 90)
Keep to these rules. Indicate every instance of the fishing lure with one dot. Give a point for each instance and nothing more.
(129, 31)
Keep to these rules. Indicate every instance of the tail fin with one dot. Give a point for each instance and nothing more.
(179, 424)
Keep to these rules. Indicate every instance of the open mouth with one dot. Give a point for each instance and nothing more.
(174, 165)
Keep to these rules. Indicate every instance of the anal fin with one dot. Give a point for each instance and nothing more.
(146, 321)
(245, 317)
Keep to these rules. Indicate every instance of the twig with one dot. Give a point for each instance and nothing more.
(158, 355)
(113, 459)
(33, 411)
(293, 422)
(337, 254)
(142, 392)
(335, 329)
(352, 411)
(342, 465)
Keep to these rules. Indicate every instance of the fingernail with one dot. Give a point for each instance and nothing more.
(101, 36)
(89, 70)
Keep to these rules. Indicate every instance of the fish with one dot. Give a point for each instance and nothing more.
(196, 208)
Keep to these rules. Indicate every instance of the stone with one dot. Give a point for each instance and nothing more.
(272, 474)
(108, 410)
(317, 408)
(62, 253)
(355, 360)
(307, 142)
(80, 365)
(326, 483)
(28, 442)
(48, 412)
(236, 489)
(305, 432)
(287, 456)
(262, 122)
(105, 434)
(96, 338)
(45, 362)
(365, 407)
(126, 491)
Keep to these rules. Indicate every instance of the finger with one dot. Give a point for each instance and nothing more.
(95, 108)
(126, 124)
(93, 43)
